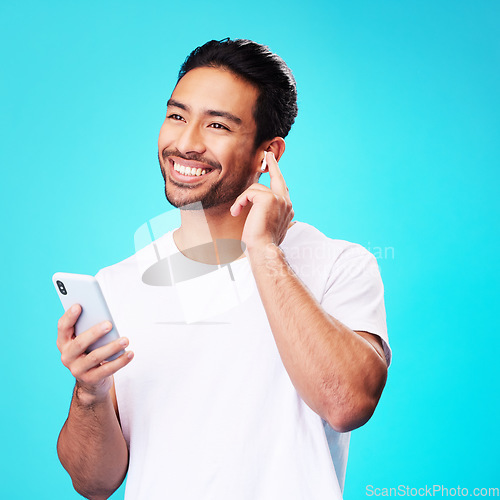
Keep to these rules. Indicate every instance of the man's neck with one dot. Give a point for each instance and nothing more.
(200, 227)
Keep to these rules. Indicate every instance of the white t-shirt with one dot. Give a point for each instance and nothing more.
(206, 406)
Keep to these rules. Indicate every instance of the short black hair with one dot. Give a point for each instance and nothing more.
(276, 106)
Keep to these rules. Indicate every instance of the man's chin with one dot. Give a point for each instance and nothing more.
(184, 204)
(217, 195)
(199, 202)
(181, 195)
(184, 201)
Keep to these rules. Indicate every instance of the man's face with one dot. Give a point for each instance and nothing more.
(209, 130)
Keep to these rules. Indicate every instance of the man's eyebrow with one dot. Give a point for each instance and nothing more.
(224, 114)
(209, 112)
(177, 104)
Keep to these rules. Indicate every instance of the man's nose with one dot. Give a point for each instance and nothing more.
(191, 139)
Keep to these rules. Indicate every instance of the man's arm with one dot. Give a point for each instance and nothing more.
(339, 373)
(91, 445)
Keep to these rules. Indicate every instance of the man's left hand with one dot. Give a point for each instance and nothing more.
(271, 212)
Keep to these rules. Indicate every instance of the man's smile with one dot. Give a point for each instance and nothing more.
(188, 171)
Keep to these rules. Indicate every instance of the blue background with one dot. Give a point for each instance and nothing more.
(396, 147)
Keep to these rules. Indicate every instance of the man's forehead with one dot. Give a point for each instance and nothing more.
(216, 89)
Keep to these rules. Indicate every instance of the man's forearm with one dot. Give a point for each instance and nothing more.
(336, 371)
(92, 448)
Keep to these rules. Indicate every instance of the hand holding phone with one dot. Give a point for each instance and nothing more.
(92, 324)
(85, 290)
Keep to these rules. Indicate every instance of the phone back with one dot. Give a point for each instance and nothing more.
(85, 290)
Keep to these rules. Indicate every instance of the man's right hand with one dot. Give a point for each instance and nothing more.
(93, 374)
(96, 459)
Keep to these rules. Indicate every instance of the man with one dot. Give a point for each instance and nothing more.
(258, 402)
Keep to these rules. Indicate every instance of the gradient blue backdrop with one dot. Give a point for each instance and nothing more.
(396, 147)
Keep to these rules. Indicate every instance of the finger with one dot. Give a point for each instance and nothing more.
(97, 356)
(241, 201)
(278, 184)
(97, 374)
(247, 196)
(81, 343)
(66, 324)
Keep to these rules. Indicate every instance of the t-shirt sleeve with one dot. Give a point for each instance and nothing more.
(354, 294)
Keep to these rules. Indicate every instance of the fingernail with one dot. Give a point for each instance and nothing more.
(106, 326)
(74, 308)
(123, 342)
(130, 355)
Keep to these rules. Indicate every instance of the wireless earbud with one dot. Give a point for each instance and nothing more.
(264, 163)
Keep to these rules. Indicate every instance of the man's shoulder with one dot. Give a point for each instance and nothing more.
(135, 264)
(120, 274)
(121, 266)
(306, 241)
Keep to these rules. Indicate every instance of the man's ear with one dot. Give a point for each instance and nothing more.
(277, 147)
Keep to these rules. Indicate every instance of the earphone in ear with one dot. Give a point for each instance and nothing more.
(264, 163)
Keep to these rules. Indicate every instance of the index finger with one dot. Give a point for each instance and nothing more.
(66, 323)
(277, 184)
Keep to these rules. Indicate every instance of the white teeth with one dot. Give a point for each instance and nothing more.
(189, 171)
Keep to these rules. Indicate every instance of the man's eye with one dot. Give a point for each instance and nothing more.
(218, 126)
(175, 116)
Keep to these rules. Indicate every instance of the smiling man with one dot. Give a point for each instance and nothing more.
(258, 402)
(222, 137)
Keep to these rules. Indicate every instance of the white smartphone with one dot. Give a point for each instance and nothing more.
(85, 290)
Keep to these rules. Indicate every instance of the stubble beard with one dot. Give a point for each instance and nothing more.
(219, 194)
